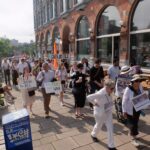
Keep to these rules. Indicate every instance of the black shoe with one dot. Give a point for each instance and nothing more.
(95, 139)
(112, 148)
(47, 116)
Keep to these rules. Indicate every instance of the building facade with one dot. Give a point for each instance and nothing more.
(107, 29)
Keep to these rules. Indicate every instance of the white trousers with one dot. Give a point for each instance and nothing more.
(106, 119)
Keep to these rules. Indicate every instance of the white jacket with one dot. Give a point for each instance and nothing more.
(101, 98)
(127, 106)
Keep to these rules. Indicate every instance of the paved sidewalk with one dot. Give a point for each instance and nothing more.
(63, 132)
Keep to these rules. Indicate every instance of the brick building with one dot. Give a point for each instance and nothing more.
(106, 29)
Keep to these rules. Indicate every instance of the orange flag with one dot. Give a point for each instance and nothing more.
(55, 57)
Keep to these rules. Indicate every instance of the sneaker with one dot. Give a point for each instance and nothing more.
(135, 143)
(95, 139)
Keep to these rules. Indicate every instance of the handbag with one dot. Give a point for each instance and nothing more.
(31, 93)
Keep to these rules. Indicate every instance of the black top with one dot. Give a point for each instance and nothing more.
(76, 77)
(96, 74)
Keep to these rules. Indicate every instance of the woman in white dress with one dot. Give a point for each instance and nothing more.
(28, 97)
(61, 75)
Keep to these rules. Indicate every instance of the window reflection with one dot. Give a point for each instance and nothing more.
(105, 49)
(140, 49)
(83, 48)
(108, 24)
(83, 28)
(141, 19)
(109, 21)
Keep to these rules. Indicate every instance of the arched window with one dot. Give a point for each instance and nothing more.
(140, 35)
(108, 33)
(56, 37)
(83, 38)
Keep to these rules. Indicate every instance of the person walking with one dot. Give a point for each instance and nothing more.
(15, 74)
(96, 78)
(79, 90)
(6, 69)
(103, 103)
(114, 70)
(45, 76)
(129, 111)
(61, 75)
(28, 97)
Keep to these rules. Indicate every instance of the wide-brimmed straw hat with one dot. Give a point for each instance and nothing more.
(125, 69)
(136, 77)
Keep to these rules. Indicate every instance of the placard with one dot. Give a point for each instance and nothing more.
(122, 83)
(141, 101)
(53, 87)
(27, 84)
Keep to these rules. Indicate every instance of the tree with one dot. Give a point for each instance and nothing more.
(5, 48)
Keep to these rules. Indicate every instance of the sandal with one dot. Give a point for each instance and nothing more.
(77, 116)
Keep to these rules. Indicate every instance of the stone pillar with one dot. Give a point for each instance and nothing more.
(124, 49)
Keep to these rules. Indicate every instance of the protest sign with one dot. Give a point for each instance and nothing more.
(141, 101)
(122, 83)
(28, 83)
(17, 130)
(53, 87)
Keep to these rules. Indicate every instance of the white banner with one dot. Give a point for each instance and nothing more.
(27, 84)
(141, 101)
(53, 87)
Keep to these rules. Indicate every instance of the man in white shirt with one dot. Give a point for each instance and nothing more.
(114, 70)
(45, 76)
(21, 66)
(6, 69)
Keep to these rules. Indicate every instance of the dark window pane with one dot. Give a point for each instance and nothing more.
(105, 49)
(140, 49)
(141, 18)
(109, 22)
(83, 48)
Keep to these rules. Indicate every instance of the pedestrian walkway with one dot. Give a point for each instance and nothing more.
(62, 131)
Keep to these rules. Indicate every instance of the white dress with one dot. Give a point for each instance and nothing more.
(26, 99)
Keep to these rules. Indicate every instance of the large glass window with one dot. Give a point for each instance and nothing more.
(141, 18)
(51, 9)
(83, 38)
(140, 35)
(61, 6)
(108, 32)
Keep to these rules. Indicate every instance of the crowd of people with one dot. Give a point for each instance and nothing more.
(87, 82)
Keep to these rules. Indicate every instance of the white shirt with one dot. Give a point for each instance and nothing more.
(5, 65)
(113, 72)
(21, 66)
(101, 98)
(45, 76)
(127, 106)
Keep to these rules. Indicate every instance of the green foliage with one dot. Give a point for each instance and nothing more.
(5, 47)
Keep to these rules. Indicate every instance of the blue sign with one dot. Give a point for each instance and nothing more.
(17, 131)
